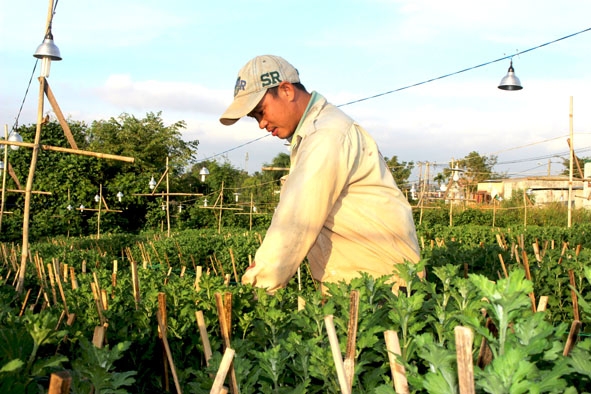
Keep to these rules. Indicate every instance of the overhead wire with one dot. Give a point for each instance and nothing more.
(347, 103)
(20, 110)
(432, 80)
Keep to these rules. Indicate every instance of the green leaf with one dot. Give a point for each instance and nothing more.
(12, 366)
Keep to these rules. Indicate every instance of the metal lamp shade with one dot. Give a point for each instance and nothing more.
(15, 137)
(48, 49)
(510, 81)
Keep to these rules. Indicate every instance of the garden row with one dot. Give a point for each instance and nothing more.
(154, 314)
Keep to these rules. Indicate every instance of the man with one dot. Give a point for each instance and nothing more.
(340, 205)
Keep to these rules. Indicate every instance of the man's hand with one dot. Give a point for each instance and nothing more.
(249, 276)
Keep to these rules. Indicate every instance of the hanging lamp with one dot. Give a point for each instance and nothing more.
(510, 81)
(47, 51)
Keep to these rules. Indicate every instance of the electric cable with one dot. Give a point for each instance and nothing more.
(432, 80)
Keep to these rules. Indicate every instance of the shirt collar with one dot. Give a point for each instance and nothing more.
(315, 97)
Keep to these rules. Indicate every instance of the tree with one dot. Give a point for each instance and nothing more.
(579, 163)
(475, 168)
(400, 170)
(73, 180)
(57, 176)
(150, 143)
(223, 177)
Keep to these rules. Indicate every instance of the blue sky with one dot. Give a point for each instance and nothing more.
(181, 57)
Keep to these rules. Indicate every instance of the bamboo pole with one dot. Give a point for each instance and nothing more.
(572, 337)
(221, 198)
(100, 201)
(464, 337)
(162, 326)
(61, 289)
(570, 167)
(204, 337)
(336, 354)
(25, 302)
(503, 265)
(485, 354)
(225, 367)
(162, 329)
(573, 294)
(396, 369)
(234, 265)
(135, 284)
(52, 283)
(71, 150)
(542, 304)
(536, 247)
(225, 332)
(564, 247)
(4, 168)
(98, 337)
(528, 277)
(198, 274)
(60, 116)
(349, 362)
(524, 209)
(29, 188)
(59, 383)
(228, 311)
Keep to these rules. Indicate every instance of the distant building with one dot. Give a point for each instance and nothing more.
(541, 190)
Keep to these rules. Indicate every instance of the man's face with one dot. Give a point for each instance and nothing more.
(277, 114)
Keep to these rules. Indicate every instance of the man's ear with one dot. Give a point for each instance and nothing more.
(287, 90)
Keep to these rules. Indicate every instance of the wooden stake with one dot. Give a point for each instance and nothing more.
(503, 265)
(515, 253)
(97, 302)
(336, 354)
(572, 337)
(234, 265)
(162, 326)
(396, 369)
(25, 302)
(59, 383)
(537, 252)
(104, 299)
(464, 337)
(135, 284)
(162, 329)
(564, 247)
(198, 277)
(204, 338)
(59, 285)
(573, 294)
(225, 366)
(228, 311)
(225, 331)
(485, 354)
(98, 339)
(545, 248)
(349, 362)
(52, 283)
(73, 279)
(528, 276)
(542, 303)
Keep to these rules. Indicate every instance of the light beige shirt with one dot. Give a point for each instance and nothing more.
(339, 206)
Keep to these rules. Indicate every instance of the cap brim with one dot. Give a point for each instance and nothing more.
(241, 106)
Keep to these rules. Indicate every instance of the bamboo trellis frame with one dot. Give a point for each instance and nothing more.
(44, 90)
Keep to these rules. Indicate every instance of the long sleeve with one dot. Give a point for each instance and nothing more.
(340, 207)
(315, 183)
